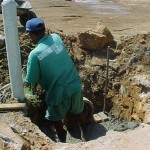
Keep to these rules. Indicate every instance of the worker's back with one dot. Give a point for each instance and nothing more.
(56, 72)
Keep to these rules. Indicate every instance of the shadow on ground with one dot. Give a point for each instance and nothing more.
(89, 132)
(94, 131)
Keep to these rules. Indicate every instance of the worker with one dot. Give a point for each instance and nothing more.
(50, 66)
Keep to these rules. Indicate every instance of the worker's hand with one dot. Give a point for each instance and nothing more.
(28, 96)
(31, 97)
(30, 88)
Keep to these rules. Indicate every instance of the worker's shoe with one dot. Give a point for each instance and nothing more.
(62, 136)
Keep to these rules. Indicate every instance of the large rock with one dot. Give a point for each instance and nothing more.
(102, 29)
(93, 40)
(13, 140)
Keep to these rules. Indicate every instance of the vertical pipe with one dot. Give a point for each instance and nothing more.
(9, 13)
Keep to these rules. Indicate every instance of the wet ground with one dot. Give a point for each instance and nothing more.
(104, 7)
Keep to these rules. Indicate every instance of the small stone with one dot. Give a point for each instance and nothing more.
(97, 118)
(103, 116)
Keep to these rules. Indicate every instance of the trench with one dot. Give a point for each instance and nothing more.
(121, 98)
(75, 134)
(84, 133)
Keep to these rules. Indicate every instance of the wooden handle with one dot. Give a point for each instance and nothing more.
(13, 106)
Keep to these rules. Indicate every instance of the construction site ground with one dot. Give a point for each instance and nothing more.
(128, 21)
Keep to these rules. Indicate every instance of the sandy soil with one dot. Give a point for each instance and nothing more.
(71, 18)
(128, 16)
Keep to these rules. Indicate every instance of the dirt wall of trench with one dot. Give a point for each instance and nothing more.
(126, 58)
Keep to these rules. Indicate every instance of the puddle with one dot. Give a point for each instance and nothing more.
(104, 7)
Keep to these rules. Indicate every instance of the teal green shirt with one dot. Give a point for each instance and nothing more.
(50, 65)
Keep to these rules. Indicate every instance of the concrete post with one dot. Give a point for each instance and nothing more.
(9, 13)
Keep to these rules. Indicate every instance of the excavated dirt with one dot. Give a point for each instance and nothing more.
(129, 57)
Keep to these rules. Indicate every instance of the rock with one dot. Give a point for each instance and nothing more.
(102, 29)
(1, 144)
(138, 106)
(12, 139)
(97, 118)
(143, 80)
(100, 117)
(93, 40)
(147, 117)
(135, 116)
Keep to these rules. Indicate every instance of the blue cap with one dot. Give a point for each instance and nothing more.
(34, 24)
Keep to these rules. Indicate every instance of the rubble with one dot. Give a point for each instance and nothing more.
(11, 140)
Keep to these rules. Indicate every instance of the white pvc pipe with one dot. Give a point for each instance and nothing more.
(9, 13)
